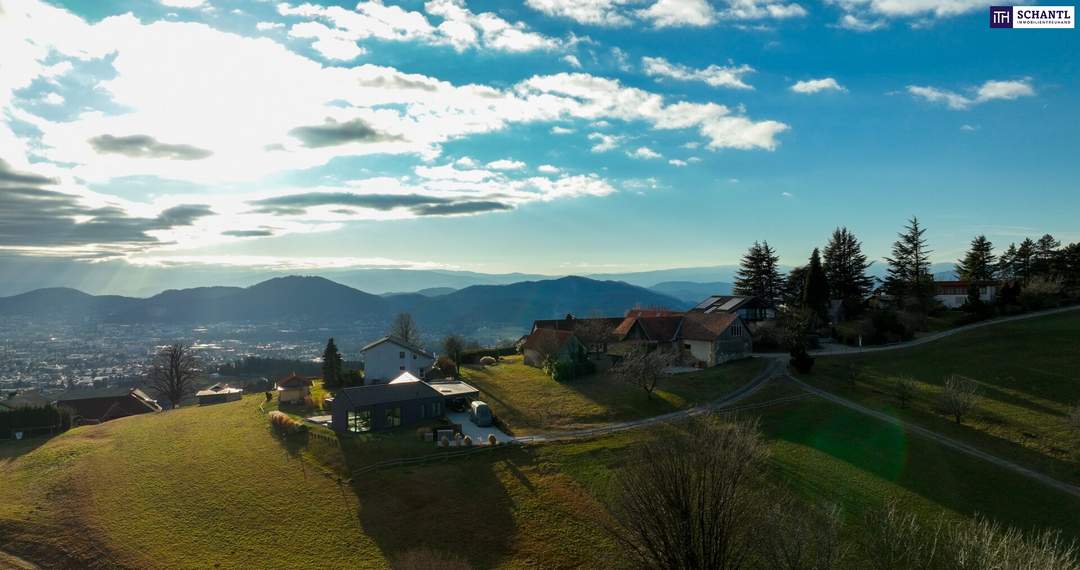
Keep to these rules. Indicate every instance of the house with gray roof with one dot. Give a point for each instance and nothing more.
(378, 407)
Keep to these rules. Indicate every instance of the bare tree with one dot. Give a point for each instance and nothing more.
(691, 498)
(797, 537)
(904, 390)
(642, 368)
(594, 334)
(894, 540)
(1073, 419)
(172, 373)
(959, 397)
(453, 345)
(405, 329)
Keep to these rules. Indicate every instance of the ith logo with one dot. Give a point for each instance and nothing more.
(1001, 17)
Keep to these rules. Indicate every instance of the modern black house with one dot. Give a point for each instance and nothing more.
(384, 406)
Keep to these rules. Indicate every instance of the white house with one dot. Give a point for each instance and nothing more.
(954, 294)
(386, 358)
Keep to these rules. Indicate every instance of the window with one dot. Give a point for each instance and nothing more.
(736, 329)
(401, 354)
(414, 356)
(359, 421)
(402, 367)
(686, 346)
(393, 417)
(432, 410)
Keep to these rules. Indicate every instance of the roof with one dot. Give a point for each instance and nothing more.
(26, 400)
(726, 303)
(105, 407)
(543, 339)
(218, 389)
(655, 328)
(387, 393)
(571, 323)
(399, 342)
(404, 377)
(455, 388)
(294, 380)
(706, 326)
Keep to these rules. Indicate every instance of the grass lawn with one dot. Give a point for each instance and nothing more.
(1028, 374)
(211, 487)
(529, 400)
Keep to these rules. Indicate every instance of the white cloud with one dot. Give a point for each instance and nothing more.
(815, 85)
(53, 99)
(988, 91)
(969, 128)
(714, 75)
(332, 44)
(604, 142)
(787, 194)
(506, 164)
(182, 3)
(557, 130)
(857, 24)
(463, 28)
(548, 169)
(677, 162)
(644, 152)
(761, 9)
(572, 60)
(596, 12)
(266, 26)
(678, 13)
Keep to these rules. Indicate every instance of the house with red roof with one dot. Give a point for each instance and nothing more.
(293, 389)
(551, 343)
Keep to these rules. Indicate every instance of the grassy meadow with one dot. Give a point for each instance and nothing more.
(528, 400)
(1028, 374)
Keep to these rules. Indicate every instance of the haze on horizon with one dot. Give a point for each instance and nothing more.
(540, 137)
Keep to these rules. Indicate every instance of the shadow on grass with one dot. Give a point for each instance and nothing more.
(11, 449)
(948, 478)
(460, 506)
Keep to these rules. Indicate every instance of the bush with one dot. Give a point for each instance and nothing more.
(959, 397)
(447, 367)
(1040, 293)
(904, 389)
(488, 361)
(284, 424)
(767, 335)
(425, 559)
(801, 361)
(566, 370)
(474, 356)
(47, 418)
(492, 440)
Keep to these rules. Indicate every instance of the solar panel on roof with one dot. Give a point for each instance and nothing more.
(706, 302)
(731, 304)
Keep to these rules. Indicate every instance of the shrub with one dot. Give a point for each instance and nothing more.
(904, 390)
(425, 558)
(492, 440)
(488, 361)
(447, 367)
(284, 424)
(26, 419)
(1040, 293)
(767, 335)
(959, 397)
(801, 361)
(467, 441)
(474, 356)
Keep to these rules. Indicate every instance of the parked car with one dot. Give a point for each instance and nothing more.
(459, 404)
(480, 414)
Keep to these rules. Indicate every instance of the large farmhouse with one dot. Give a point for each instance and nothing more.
(386, 358)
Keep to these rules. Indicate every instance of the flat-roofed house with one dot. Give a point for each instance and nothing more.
(954, 294)
(218, 394)
(377, 407)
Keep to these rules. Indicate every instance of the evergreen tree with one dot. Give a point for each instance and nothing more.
(816, 290)
(758, 274)
(979, 263)
(909, 275)
(1045, 257)
(1024, 261)
(792, 293)
(332, 366)
(845, 269)
(1006, 265)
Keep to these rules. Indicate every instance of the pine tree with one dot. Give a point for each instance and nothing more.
(332, 365)
(1006, 265)
(1045, 257)
(1024, 262)
(979, 262)
(816, 290)
(845, 269)
(758, 274)
(792, 290)
(909, 267)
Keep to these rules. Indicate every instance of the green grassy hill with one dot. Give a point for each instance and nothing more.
(1028, 374)
(213, 488)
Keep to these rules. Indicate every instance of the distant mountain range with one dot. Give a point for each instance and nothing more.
(690, 291)
(319, 301)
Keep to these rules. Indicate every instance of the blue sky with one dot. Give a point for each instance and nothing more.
(539, 136)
